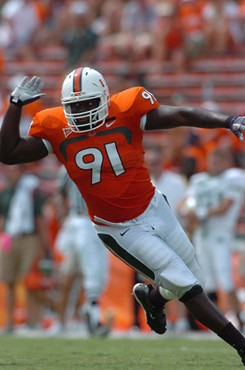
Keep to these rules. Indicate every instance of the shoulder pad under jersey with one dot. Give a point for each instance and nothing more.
(135, 101)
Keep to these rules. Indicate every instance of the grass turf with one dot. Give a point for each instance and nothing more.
(116, 354)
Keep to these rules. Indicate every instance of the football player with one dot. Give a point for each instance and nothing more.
(218, 198)
(83, 256)
(99, 141)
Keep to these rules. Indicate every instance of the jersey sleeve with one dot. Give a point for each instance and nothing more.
(36, 128)
(137, 102)
(47, 125)
(144, 102)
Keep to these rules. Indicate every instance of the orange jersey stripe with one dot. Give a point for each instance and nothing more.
(77, 80)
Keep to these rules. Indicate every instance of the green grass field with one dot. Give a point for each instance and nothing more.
(123, 354)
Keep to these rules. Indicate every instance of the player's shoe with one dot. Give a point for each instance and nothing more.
(91, 316)
(156, 317)
(241, 352)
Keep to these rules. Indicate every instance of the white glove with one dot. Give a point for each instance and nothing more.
(237, 125)
(27, 91)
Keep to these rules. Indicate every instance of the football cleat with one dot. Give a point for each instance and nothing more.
(156, 317)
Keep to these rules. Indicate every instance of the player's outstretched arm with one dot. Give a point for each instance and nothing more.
(13, 148)
(166, 117)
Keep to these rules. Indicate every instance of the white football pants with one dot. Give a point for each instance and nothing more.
(155, 245)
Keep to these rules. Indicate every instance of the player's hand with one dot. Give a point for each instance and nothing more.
(27, 91)
(237, 126)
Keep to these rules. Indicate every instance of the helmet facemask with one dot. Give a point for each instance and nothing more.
(85, 113)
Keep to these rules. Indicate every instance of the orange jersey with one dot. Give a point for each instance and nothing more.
(106, 164)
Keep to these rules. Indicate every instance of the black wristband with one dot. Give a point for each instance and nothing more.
(230, 120)
(18, 103)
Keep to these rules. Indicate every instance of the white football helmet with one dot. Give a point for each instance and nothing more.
(82, 88)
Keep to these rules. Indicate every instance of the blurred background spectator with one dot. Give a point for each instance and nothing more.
(74, 31)
(85, 260)
(23, 238)
(210, 211)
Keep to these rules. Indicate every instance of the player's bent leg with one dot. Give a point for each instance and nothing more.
(182, 246)
(200, 306)
(153, 258)
(168, 228)
(208, 314)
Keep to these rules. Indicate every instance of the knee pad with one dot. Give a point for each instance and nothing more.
(195, 290)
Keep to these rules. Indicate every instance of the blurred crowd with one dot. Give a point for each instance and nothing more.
(177, 30)
(133, 31)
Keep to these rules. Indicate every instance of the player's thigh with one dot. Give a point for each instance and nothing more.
(169, 229)
(150, 255)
